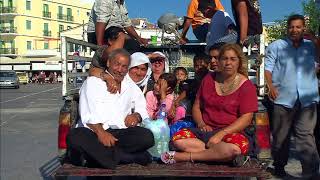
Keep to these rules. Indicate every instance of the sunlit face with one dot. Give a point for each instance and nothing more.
(118, 67)
(214, 54)
(229, 63)
(138, 73)
(157, 65)
(181, 76)
(296, 29)
(199, 65)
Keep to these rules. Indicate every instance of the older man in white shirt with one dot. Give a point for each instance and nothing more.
(107, 133)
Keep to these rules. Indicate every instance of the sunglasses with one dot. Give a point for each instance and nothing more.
(157, 60)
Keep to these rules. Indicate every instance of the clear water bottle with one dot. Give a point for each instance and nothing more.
(162, 114)
(161, 133)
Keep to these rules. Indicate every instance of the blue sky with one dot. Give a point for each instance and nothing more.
(152, 9)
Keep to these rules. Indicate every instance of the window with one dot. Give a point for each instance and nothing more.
(46, 12)
(45, 8)
(68, 27)
(61, 28)
(29, 45)
(60, 12)
(12, 28)
(10, 4)
(69, 14)
(1, 4)
(28, 25)
(2, 24)
(46, 31)
(11, 22)
(46, 45)
(28, 5)
(2, 44)
(46, 26)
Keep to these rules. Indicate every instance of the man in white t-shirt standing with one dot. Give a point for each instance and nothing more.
(107, 133)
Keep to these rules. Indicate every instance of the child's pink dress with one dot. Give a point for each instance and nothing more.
(153, 106)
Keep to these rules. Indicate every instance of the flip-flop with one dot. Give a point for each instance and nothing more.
(168, 157)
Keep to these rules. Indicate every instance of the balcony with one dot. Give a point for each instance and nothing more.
(8, 30)
(64, 17)
(8, 51)
(46, 33)
(46, 14)
(8, 9)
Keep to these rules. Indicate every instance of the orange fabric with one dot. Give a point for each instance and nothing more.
(183, 134)
(238, 139)
(197, 16)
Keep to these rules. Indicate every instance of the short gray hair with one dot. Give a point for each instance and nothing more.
(117, 52)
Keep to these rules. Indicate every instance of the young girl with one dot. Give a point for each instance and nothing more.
(162, 94)
(180, 106)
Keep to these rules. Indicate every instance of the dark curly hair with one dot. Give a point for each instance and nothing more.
(170, 78)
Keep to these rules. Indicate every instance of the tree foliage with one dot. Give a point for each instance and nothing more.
(312, 11)
(277, 30)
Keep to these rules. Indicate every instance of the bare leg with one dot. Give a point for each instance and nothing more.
(221, 152)
(190, 145)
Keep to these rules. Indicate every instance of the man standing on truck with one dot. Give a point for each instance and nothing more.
(107, 133)
(292, 82)
(108, 13)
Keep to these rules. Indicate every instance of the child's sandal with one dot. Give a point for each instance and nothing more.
(168, 157)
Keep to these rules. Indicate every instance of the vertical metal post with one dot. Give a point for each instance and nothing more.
(64, 65)
(261, 80)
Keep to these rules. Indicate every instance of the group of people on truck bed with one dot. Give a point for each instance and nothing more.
(123, 90)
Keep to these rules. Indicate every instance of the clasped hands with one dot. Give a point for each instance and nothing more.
(216, 138)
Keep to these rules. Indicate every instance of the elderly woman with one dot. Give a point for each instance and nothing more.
(224, 107)
(140, 70)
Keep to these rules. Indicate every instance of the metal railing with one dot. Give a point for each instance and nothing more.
(46, 33)
(8, 29)
(8, 9)
(65, 17)
(8, 50)
(71, 78)
(46, 14)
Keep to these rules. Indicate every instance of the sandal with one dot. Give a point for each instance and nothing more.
(168, 157)
(240, 160)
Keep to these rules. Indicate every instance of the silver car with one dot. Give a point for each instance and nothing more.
(9, 79)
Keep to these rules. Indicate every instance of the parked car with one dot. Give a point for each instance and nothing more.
(9, 79)
(23, 77)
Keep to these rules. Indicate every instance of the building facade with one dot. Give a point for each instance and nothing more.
(28, 25)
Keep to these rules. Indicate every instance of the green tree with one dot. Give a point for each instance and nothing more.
(312, 11)
(277, 30)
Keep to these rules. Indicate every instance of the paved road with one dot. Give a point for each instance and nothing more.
(29, 118)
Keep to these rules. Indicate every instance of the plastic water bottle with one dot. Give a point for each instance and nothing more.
(161, 133)
(162, 114)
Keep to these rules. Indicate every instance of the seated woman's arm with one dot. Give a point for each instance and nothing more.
(240, 124)
(197, 116)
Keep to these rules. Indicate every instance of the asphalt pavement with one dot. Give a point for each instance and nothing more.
(29, 121)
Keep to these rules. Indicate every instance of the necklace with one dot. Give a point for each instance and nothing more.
(227, 88)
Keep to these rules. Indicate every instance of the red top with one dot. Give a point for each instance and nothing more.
(221, 111)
